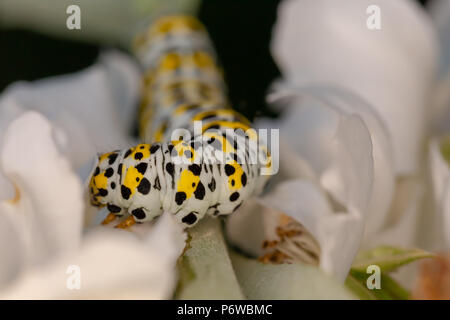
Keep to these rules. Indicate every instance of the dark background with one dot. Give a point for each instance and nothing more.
(243, 49)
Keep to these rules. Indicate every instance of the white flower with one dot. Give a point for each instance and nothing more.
(440, 13)
(440, 177)
(438, 217)
(326, 171)
(351, 129)
(393, 69)
(327, 41)
(94, 108)
(42, 230)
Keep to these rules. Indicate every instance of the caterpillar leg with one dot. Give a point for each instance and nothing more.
(109, 218)
(125, 224)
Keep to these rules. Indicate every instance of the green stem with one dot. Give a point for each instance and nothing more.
(205, 268)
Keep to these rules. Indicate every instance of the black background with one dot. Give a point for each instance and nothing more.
(243, 48)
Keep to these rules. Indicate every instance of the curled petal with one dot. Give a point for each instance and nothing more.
(338, 234)
(345, 142)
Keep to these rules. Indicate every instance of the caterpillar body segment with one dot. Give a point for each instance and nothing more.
(211, 170)
(188, 178)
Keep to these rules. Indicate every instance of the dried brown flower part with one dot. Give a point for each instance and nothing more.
(434, 279)
(293, 244)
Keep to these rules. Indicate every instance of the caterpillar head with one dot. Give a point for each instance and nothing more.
(103, 180)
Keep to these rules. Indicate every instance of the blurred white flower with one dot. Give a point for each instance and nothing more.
(393, 69)
(325, 182)
(440, 14)
(326, 41)
(42, 236)
(440, 178)
(438, 217)
(305, 124)
(93, 107)
(352, 129)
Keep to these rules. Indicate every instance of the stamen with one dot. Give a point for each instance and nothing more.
(295, 244)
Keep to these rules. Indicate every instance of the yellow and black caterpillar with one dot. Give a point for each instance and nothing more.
(206, 159)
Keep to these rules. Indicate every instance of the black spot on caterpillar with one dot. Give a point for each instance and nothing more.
(113, 208)
(144, 186)
(138, 213)
(244, 179)
(180, 197)
(138, 155)
(157, 184)
(142, 167)
(196, 169)
(109, 172)
(212, 185)
(126, 192)
(229, 169)
(191, 218)
(112, 157)
(234, 196)
(200, 191)
(154, 148)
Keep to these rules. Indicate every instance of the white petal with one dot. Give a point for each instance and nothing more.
(9, 110)
(351, 174)
(94, 107)
(168, 234)
(326, 41)
(440, 14)
(446, 217)
(334, 140)
(250, 226)
(439, 170)
(114, 264)
(440, 178)
(49, 206)
(403, 226)
(339, 233)
(314, 121)
(12, 249)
